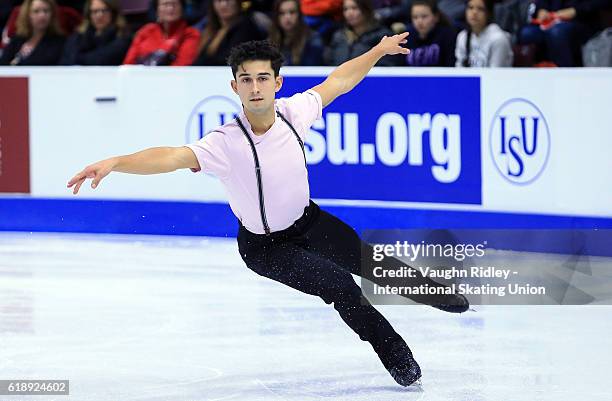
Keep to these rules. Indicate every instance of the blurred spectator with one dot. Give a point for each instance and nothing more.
(483, 43)
(390, 11)
(193, 11)
(169, 41)
(39, 39)
(259, 12)
(227, 26)
(299, 45)
(321, 15)
(597, 52)
(102, 39)
(432, 38)
(567, 24)
(360, 33)
(69, 20)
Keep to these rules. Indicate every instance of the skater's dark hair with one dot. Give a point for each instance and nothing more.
(255, 50)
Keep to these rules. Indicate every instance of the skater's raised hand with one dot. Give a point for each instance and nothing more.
(348, 74)
(392, 44)
(96, 171)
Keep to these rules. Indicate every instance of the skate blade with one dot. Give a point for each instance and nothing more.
(417, 386)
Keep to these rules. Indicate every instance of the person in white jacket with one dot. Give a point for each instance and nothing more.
(483, 43)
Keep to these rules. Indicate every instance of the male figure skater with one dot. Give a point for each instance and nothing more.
(283, 235)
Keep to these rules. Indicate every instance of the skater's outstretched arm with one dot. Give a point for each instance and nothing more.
(148, 161)
(349, 74)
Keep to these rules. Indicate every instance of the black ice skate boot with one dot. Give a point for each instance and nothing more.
(398, 360)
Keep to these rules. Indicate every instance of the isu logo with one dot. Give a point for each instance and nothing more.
(519, 141)
(208, 114)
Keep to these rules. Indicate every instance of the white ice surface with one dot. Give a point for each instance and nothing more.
(181, 318)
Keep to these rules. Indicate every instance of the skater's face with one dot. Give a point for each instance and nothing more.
(423, 19)
(256, 85)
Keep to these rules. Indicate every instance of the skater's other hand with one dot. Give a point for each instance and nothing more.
(392, 44)
(96, 171)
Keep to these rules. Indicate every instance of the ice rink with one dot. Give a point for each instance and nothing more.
(181, 318)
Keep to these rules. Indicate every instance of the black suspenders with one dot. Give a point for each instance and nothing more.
(294, 133)
(262, 208)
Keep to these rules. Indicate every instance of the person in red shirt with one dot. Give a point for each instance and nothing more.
(319, 8)
(169, 41)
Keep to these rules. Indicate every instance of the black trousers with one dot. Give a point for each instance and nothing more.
(317, 256)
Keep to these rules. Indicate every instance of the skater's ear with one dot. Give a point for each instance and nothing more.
(279, 83)
(234, 85)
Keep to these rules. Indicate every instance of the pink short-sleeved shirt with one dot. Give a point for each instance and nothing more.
(226, 153)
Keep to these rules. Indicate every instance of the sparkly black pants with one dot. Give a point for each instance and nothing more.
(317, 255)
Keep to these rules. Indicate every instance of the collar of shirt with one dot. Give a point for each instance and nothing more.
(247, 124)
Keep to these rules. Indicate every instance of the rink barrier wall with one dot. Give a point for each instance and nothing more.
(216, 219)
